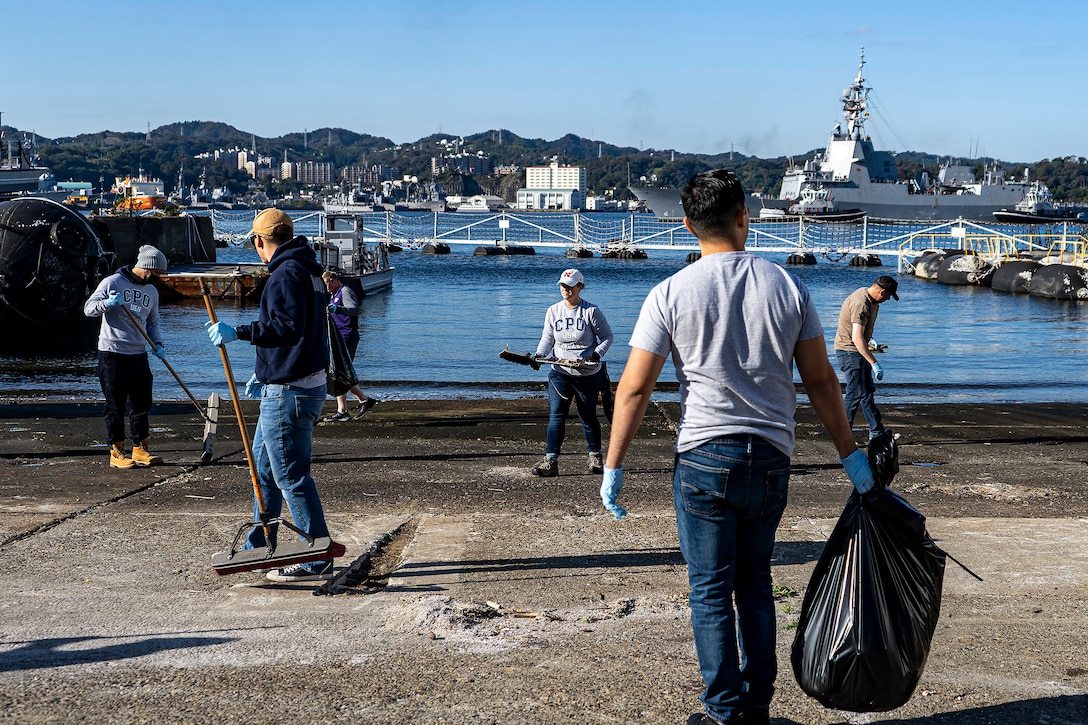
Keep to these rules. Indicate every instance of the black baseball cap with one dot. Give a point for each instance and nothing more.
(890, 284)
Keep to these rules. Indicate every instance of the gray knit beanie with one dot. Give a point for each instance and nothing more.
(150, 258)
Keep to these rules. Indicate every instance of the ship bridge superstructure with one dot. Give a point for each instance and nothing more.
(849, 160)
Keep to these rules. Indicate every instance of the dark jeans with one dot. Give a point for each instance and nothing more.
(126, 383)
(729, 496)
(860, 390)
(583, 389)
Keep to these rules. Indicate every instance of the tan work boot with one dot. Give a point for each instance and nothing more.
(143, 457)
(118, 459)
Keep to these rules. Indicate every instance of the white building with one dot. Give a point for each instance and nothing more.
(553, 187)
(555, 176)
(550, 199)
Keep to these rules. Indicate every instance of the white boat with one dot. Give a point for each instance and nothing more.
(479, 202)
(1038, 207)
(357, 201)
(360, 265)
(818, 203)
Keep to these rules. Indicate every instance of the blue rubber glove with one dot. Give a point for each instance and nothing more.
(610, 491)
(254, 387)
(333, 308)
(115, 299)
(160, 352)
(220, 333)
(878, 372)
(860, 472)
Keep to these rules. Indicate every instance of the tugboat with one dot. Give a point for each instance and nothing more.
(51, 259)
(816, 203)
(139, 194)
(1037, 207)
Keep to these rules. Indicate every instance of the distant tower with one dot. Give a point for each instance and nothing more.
(305, 140)
(730, 150)
(148, 137)
(253, 144)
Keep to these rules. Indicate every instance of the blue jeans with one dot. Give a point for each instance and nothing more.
(860, 390)
(729, 496)
(583, 389)
(282, 449)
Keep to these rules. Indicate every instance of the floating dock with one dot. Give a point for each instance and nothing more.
(242, 281)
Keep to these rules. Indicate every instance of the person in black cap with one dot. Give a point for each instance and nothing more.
(857, 318)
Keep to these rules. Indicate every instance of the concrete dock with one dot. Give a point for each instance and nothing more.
(499, 597)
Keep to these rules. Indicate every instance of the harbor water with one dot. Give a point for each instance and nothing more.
(438, 332)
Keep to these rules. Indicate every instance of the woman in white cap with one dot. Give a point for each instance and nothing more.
(574, 329)
(122, 358)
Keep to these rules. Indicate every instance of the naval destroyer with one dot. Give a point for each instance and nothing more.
(857, 176)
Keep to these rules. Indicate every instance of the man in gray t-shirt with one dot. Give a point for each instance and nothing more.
(735, 325)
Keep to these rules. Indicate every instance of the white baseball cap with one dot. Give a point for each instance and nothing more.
(571, 278)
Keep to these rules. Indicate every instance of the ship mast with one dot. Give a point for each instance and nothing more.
(854, 104)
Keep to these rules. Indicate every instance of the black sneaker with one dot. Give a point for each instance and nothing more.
(302, 573)
(701, 718)
(337, 417)
(548, 468)
(364, 408)
(596, 462)
(755, 716)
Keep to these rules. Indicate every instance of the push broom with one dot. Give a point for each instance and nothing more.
(211, 416)
(309, 548)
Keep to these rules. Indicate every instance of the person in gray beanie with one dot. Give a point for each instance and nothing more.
(122, 358)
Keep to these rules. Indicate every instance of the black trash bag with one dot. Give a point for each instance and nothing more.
(340, 375)
(873, 601)
(884, 458)
(608, 403)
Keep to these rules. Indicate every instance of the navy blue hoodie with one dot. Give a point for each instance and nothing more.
(290, 334)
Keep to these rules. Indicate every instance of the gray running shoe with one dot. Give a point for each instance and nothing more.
(337, 417)
(548, 468)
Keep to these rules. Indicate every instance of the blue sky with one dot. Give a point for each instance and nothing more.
(997, 78)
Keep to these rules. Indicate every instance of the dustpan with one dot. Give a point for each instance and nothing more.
(283, 553)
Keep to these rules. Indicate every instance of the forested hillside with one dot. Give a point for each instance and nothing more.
(168, 149)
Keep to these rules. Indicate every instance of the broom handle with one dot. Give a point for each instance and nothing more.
(257, 495)
(177, 377)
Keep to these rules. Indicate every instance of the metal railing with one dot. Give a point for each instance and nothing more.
(599, 232)
(995, 243)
